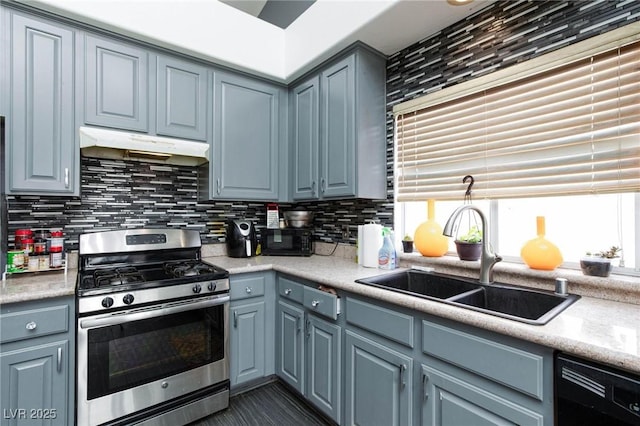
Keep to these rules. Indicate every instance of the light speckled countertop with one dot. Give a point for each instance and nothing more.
(603, 330)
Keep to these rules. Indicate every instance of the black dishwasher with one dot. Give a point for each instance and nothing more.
(591, 394)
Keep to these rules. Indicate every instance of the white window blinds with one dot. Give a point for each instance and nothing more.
(572, 130)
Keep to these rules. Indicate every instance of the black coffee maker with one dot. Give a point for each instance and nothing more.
(241, 238)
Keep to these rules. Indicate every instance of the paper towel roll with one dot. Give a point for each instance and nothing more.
(371, 243)
(359, 257)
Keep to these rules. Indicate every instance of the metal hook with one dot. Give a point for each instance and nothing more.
(464, 180)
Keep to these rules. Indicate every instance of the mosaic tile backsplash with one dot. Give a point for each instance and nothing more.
(119, 194)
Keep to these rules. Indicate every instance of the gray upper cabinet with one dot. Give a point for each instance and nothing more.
(116, 85)
(181, 99)
(305, 104)
(42, 148)
(338, 130)
(246, 139)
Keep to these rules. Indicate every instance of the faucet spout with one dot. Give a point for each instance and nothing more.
(488, 258)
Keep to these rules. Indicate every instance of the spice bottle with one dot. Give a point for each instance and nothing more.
(55, 257)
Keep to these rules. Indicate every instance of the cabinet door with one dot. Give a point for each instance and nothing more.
(450, 401)
(305, 104)
(247, 342)
(181, 99)
(337, 175)
(245, 164)
(42, 149)
(116, 93)
(377, 383)
(290, 350)
(35, 388)
(323, 370)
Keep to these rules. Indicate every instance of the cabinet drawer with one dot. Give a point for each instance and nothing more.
(34, 323)
(393, 325)
(503, 364)
(246, 287)
(321, 302)
(290, 290)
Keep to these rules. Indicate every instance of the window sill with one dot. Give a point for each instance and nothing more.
(619, 288)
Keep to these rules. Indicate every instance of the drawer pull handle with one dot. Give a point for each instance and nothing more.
(297, 325)
(248, 290)
(315, 303)
(287, 292)
(66, 177)
(235, 319)
(403, 368)
(59, 360)
(31, 325)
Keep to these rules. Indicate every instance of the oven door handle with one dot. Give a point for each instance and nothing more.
(151, 311)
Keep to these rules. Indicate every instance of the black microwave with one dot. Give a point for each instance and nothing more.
(287, 242)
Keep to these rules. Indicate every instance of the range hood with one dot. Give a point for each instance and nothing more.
(117, 145)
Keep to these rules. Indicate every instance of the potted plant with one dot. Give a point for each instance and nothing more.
(599, 264)
(407, 244)
(469, 245)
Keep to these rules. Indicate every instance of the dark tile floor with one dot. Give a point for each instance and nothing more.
(271, 404)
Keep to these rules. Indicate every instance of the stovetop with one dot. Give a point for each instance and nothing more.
(111, 279)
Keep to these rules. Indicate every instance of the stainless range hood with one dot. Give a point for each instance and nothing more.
(115, 144)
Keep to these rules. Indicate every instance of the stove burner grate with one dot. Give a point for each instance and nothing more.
(187, 268)
(117, 276)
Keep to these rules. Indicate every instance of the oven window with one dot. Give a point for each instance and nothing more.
(127, 355)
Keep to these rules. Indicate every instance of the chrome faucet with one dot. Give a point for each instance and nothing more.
(489, 258)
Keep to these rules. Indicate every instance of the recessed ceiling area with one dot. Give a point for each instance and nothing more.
(280, 13)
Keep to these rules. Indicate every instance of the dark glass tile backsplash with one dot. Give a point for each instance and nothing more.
(118, 194)
(128, 194)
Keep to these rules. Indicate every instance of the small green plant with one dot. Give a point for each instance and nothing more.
(407, 237)
(612, 253)
(474, 235)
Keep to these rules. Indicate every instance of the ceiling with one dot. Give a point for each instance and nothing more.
(254, 40)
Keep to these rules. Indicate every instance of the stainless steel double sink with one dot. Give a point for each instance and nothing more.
(502, 300)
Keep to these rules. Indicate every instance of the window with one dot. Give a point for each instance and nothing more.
(549, 138)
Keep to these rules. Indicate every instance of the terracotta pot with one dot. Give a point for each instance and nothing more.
(596, 266)
(468, 251)
(407, 246)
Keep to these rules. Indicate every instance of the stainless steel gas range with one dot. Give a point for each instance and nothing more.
(152, 330)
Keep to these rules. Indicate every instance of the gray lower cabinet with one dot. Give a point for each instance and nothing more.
(37, 362)
(182, 99)
(380, 344)
(246, 141)
(42, 148)
(290, 337)
(471, 376)
(449, 400)
(309, 346)
(337, 130)
(116, 84)
(251, 327)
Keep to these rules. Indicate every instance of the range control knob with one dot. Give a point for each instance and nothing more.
(128, 299)
(212, 286)
(197, 288)
(107, 302)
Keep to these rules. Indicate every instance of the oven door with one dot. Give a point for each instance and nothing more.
(132, 360)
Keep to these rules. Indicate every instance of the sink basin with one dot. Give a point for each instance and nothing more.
(424, 284)
(506, 301)
(533, 307)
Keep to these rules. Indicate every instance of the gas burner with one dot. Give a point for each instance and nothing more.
(187, 268)
(117, 276)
